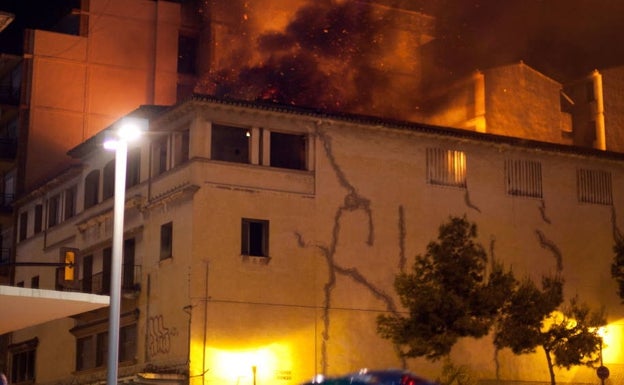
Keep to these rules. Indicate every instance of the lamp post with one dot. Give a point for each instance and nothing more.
(602, 371)
(128, 130)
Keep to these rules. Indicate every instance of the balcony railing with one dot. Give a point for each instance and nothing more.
(100, 283)
(5, 255)
(6, 202)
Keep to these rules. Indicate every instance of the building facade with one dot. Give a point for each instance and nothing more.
(261, 243)
(516, 100)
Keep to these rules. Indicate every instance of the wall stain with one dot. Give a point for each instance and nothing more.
(469, 203)
(402, 235)
(542, 209)
(353, 201)
(550, 245)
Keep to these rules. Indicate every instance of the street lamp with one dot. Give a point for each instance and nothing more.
(128, 129)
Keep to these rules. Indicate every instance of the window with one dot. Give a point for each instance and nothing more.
(166, 240)
(181, 147)
(255, 237)
(87, 274)
(91, 351)
(446, 167)
(54, 211)
(38, 218)
(523, 178)
(107, 262)
(159, 153)
(23, 357)
(594, 186)
(70, 203)
(187, 54)
(92, 341)
(127, 273)
(92, 187)
(288, 151)
(230, 144)
(23, 225)
(108, 182)
(127, 343)
(133, 168)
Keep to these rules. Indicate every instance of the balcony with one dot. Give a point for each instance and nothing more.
(6, 202)
(100, 283)
(5, 255)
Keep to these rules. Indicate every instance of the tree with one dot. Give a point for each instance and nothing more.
(447, 294)
(617, 267)
(530, 319)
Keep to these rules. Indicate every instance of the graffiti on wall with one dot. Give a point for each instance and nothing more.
(159, 336)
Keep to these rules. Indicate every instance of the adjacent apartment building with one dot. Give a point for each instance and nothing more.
(261, 242)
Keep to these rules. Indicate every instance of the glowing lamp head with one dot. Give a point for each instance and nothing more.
(128, 130)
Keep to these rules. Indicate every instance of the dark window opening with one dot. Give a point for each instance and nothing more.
(38, 218)
(187, 54)
(133, 168)
(127, 274)
(255, 237)
(107, 260)
(92, 187)
(23, 359)
(166, 240)
(288, 151)
(108, 183)
(54, 210)
(230, 144)
(23, 226)
(159, 151)
(70, 202)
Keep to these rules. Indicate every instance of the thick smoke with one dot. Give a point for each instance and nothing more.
(345, 56)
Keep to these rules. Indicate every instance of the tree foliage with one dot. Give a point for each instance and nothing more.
(448, 294)
(535, 318)
(617, 267)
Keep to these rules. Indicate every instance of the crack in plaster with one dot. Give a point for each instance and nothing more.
(353, 201)
(402, 234)
(550, 245)
(469, 203)
(542, 209)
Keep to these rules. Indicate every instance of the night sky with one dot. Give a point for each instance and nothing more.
(561, 38)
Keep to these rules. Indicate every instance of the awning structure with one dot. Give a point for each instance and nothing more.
(23, 307)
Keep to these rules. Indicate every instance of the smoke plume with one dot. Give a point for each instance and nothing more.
(339, 56)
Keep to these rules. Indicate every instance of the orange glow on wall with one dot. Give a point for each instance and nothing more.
(612, 337)
(268, 364)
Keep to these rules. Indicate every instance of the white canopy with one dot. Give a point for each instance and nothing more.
(23, 307)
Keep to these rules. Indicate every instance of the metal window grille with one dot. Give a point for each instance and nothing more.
(594, 186)
(523, 178)
(446, 167)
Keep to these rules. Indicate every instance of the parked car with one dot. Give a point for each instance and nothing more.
(375, 377)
